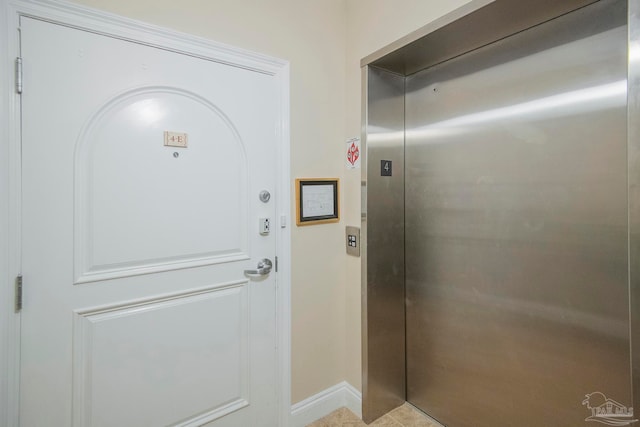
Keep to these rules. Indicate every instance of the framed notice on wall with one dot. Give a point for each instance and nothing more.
(317, 201)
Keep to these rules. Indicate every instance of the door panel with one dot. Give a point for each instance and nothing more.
(209, 365)
(137, 311)
(137, 205)
(516, 227)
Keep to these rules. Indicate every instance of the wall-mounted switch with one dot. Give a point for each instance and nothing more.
(352, 235)
(265, 226)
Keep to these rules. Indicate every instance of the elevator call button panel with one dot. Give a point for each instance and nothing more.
(353, 240)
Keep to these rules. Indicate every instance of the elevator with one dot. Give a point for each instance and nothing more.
(501, 217)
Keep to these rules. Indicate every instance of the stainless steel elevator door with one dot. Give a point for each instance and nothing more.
(516, 226)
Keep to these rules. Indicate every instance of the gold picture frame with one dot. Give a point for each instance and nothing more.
(317, 201)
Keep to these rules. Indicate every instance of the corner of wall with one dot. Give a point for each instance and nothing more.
(321, 404)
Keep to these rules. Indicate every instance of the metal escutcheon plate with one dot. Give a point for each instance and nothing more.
(265, 196)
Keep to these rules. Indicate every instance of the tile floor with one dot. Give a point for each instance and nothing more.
(404, 416)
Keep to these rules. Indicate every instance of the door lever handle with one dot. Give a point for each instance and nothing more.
(264, 267)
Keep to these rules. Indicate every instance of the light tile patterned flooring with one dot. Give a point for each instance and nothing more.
(404, 416)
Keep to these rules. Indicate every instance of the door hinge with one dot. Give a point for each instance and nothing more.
(19, 75)
(18, 293)
(276, 264)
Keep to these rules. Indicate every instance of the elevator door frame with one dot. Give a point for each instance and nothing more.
(383, 72)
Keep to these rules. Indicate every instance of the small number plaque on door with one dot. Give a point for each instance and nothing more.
(175, 139)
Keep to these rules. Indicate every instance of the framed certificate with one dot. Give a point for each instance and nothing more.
(317, 201)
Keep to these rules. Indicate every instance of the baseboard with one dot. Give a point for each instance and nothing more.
(353, 399)
(325, 402)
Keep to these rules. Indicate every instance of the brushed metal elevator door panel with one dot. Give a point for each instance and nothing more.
(516, 227)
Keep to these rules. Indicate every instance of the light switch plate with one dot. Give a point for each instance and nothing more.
(352, 240)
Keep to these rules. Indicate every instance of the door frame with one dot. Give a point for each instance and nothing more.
(108, 24)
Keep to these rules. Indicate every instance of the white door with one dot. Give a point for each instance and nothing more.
(137, 309)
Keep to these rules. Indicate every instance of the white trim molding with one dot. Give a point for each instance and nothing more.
(283, 243)
(99, 22)
(325, 402)
(9, 221)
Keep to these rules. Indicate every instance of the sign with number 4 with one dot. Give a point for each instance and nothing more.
(386, 168)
